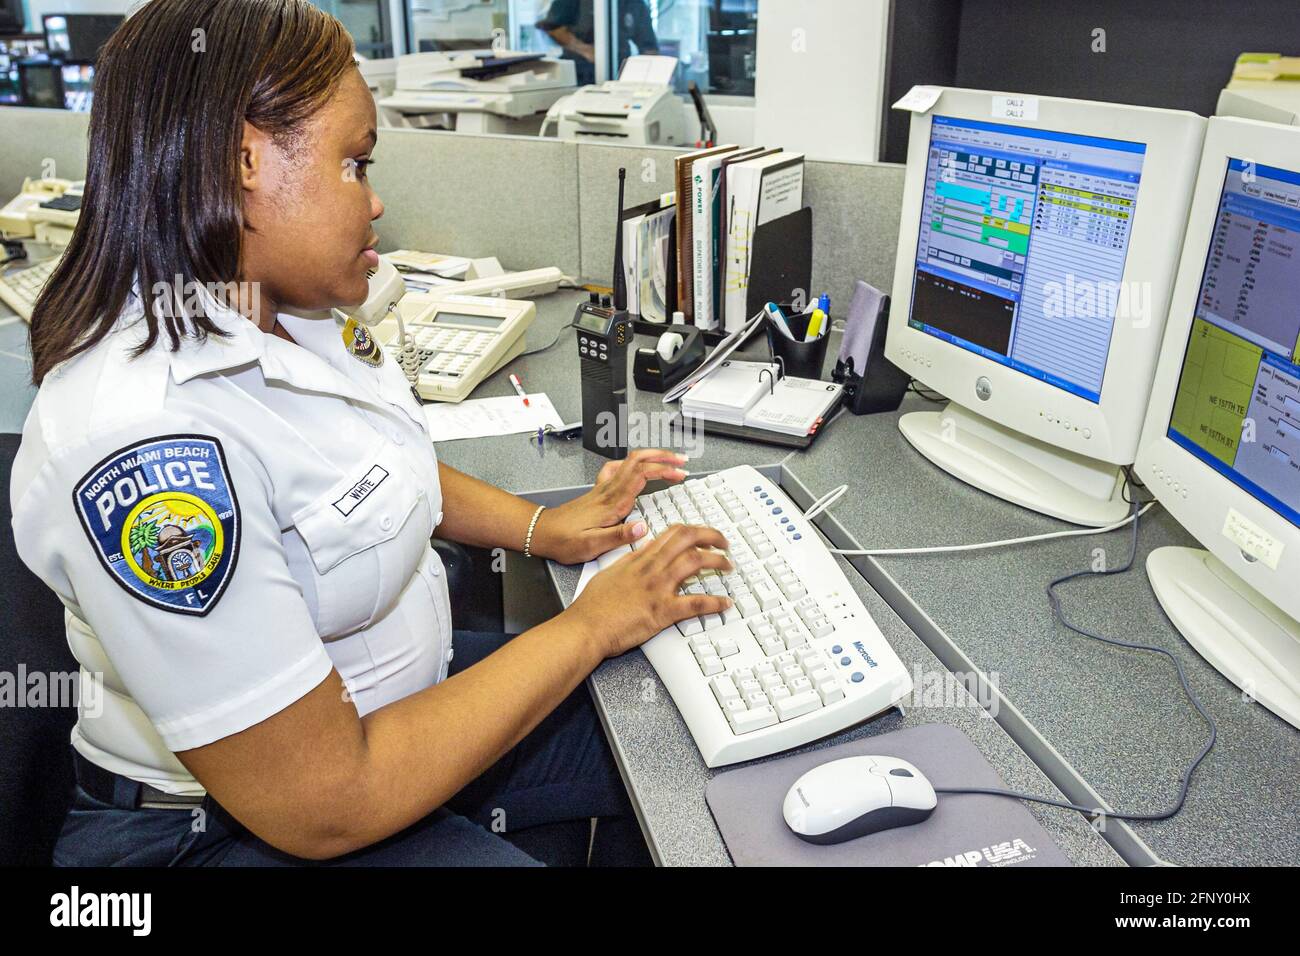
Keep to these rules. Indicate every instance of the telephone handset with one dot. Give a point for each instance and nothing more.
(386, 290)
(444, 346)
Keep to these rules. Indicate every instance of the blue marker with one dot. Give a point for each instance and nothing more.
(824, 302)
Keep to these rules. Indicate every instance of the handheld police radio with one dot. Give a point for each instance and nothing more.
(604, 332)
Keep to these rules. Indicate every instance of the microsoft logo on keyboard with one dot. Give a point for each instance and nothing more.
(865, 656)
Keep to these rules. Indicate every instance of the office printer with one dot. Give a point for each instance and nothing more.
(476, 91)
(639, 108)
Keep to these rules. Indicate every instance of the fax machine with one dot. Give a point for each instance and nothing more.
(638, 109)
(476, 91)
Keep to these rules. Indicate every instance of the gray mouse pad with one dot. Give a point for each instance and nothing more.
(964, 830)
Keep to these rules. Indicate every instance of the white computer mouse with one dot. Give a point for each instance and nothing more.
(848, 798)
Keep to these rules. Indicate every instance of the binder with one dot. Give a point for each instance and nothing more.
(760, 191)
(781, 261)
(682, 168)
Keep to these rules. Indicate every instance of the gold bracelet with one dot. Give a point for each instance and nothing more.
(532, 526)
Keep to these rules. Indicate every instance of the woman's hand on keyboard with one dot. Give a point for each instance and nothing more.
(639, 595)
(592, 524)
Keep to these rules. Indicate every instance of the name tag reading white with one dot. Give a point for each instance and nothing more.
(1015, 107)
(1252, 539)
(361, 490)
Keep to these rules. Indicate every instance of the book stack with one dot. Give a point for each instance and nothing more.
(740, 225)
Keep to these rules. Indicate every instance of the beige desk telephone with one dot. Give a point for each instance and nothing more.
(46, 210)
(446, 345)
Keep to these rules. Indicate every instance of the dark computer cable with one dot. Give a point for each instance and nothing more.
(916, 388)
(1138, 507)
(549, 345)
(1059, 614)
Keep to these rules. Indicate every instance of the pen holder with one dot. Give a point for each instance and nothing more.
(800, 359)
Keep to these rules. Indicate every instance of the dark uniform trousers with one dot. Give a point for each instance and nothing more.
(561, 773)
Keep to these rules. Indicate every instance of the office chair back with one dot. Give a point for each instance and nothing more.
(36, 776)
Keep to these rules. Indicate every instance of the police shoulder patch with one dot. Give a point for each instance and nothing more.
(164, 521)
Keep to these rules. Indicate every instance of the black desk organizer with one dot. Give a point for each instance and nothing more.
(780, 268)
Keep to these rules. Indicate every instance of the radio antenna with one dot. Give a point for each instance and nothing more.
(620, 284)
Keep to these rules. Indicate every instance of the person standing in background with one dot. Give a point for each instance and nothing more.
(571, 24)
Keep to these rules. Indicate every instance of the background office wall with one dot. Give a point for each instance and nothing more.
(1176, 54)
(38, 8)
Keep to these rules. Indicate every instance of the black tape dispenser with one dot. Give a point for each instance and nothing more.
(677, 353)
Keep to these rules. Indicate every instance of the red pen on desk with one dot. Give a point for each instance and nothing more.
(519, 388)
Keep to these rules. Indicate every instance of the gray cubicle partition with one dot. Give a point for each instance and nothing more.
(35, 143)
(529, 202)
(512, 197)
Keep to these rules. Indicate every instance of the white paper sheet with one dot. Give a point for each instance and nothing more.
(484, 417)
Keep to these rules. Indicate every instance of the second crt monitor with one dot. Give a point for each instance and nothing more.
(1037, 250)
(1221, 448)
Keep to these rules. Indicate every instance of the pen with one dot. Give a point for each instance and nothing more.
(519, 389)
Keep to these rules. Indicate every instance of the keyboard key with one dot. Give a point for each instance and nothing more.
(771, 645)
(755, 719)
(690, 626)
(747, 605)
(796, 705)
(766, 594)
(726, 647)
(830, 691)
(821, 628)
(723, 689)
(756, 698)
(711, 665)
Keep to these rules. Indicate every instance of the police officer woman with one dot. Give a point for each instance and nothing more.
(234, 497)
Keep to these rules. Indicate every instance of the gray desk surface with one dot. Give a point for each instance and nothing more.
(661, 765)
(1118, 717)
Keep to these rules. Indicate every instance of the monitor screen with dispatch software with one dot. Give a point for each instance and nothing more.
(1237, 407)
(1023, 239)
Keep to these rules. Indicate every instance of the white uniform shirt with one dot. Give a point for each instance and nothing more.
(226, 523)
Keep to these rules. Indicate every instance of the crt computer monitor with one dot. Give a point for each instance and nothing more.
(1037, 249)
(1221, 446)
(41, 84)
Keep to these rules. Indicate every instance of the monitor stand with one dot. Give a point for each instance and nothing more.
(1246, 638)
(1018, 468)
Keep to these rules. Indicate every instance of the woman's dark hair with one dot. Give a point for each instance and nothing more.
(173, 87)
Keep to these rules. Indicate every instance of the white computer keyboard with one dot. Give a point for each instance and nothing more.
(19, 288)
(796, 658)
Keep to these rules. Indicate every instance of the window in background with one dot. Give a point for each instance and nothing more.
(367, 21)
(455, 24)
(713, 40)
